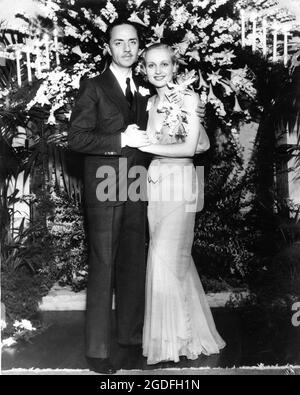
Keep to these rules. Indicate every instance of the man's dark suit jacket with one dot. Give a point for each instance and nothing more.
(99, 117)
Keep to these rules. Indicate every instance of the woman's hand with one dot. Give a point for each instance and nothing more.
(175, 97)
(201, 110)
(178, 98)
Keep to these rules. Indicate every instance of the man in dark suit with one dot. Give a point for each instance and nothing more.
(108, 124)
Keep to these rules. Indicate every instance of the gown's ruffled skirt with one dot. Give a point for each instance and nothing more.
(178, 320)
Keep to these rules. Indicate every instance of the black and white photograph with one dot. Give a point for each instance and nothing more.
(150, 190)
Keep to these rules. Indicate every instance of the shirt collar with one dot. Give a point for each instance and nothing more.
(120, 76)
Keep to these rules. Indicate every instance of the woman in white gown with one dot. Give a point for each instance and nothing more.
(178, 320)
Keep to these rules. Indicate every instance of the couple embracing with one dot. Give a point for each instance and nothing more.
(160, 301)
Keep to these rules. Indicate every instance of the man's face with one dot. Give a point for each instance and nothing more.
(124, 46)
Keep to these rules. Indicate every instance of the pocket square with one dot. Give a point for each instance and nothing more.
(143, 91)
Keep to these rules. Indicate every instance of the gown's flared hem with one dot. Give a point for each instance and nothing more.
(192, 356)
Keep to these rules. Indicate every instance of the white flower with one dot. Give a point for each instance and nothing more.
(159, 29)
(68, 115)
(51, 120)
(181, 48)
(147, 17)
(3, 93)
(137, 2)
(24, 324)
(72, 13)
(71, 31)
(226, 57)
(214, 78)
(190, 37)
(40, 97)
(43, 99)
(55, 77)
(48, 8)
(223, 39)
(180, 16)
(194, 20)
(99, 22)
(218, 105)
(241, 82)
(203, 97)
(194, 54)
(162, 3)
(225, 25)
(3, 324)
(143, 91)
(10, 341)
(109, 12)
(87, 14)
(97, 58)
(184, 81)
(200, 3)
(218, 3)
(204, 23)
(75, 81)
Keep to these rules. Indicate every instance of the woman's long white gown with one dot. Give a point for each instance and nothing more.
(178, 320)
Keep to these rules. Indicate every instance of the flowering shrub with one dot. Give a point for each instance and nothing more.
(56, 88)
(204, 40)
(21, 330)
(21, 293)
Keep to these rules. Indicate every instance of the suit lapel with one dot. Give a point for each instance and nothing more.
(141, 105)
(113, 90)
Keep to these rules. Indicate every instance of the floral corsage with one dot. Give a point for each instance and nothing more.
(176, 116)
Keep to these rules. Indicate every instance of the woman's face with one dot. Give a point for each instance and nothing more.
(159, 67)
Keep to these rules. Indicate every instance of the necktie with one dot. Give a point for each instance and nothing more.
(128, 93)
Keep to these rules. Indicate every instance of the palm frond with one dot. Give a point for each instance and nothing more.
(286, 108)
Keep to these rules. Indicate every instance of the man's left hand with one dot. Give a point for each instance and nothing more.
(201, 110)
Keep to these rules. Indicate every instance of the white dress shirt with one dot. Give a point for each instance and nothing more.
(121, 78)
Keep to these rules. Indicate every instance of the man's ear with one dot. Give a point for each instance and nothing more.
(107, 48)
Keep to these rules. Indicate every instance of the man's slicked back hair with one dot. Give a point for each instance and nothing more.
(120, 22)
